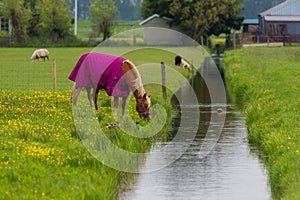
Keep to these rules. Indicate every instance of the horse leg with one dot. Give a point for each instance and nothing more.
(123, 105)
(75, 94)
(116, 105)
(90, 96)
(96, 92)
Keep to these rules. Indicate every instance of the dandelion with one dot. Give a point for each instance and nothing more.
(236, 65)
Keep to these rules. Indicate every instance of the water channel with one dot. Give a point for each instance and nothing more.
(231, 170)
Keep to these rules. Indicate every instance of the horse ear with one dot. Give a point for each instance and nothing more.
(145, 96)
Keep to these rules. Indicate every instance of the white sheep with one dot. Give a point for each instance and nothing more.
(40, 53)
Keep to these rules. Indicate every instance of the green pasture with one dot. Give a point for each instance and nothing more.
(265, 84)
(84, 28)
(18, 72)
(41, 155)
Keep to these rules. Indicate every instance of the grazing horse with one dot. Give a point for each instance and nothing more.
(40, 53)
(118, 76)
(181, 62)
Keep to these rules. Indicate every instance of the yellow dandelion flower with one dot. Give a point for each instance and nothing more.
(236, 66)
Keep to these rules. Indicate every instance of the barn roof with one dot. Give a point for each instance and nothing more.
(286, 8)
(283, 18)
(152, 17)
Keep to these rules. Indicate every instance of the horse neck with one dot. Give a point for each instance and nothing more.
(139, 93)
(133, 80)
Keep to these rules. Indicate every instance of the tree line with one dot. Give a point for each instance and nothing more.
(43, 19)
(198, 19)
(52, 20)
(131, 9)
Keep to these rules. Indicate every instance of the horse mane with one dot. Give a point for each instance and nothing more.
(133, 78)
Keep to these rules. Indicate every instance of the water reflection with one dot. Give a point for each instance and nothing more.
(230, 171)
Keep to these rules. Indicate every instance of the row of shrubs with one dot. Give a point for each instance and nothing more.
(70, 41)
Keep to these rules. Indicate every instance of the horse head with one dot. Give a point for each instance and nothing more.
(143, 106)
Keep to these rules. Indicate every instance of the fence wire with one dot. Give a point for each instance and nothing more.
(32, 76)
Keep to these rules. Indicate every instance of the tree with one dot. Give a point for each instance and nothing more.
(20, 15)
(150, 7)
(229, 18)
(198, 18)
(37, 18)
(55, 17)
(102, 13)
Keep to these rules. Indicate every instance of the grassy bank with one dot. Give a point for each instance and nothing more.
(41, 155)
(265, 84)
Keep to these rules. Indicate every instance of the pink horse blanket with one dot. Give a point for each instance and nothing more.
(100, 71)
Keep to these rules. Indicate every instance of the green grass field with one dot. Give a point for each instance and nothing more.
(265, 84)
(84, 28)
(41, 155)
(18, 72)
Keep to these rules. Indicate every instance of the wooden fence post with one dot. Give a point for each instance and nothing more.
(234, 40)
(163, 78)
(54, 74)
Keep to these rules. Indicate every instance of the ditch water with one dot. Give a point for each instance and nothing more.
(231, 170)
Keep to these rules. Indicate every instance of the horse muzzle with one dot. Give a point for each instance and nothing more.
(147, 115)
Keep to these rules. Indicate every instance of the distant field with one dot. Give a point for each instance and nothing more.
(84, 28)
(18, 72)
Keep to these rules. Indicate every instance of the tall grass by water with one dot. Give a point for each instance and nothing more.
(265, 84)
(41, 155)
